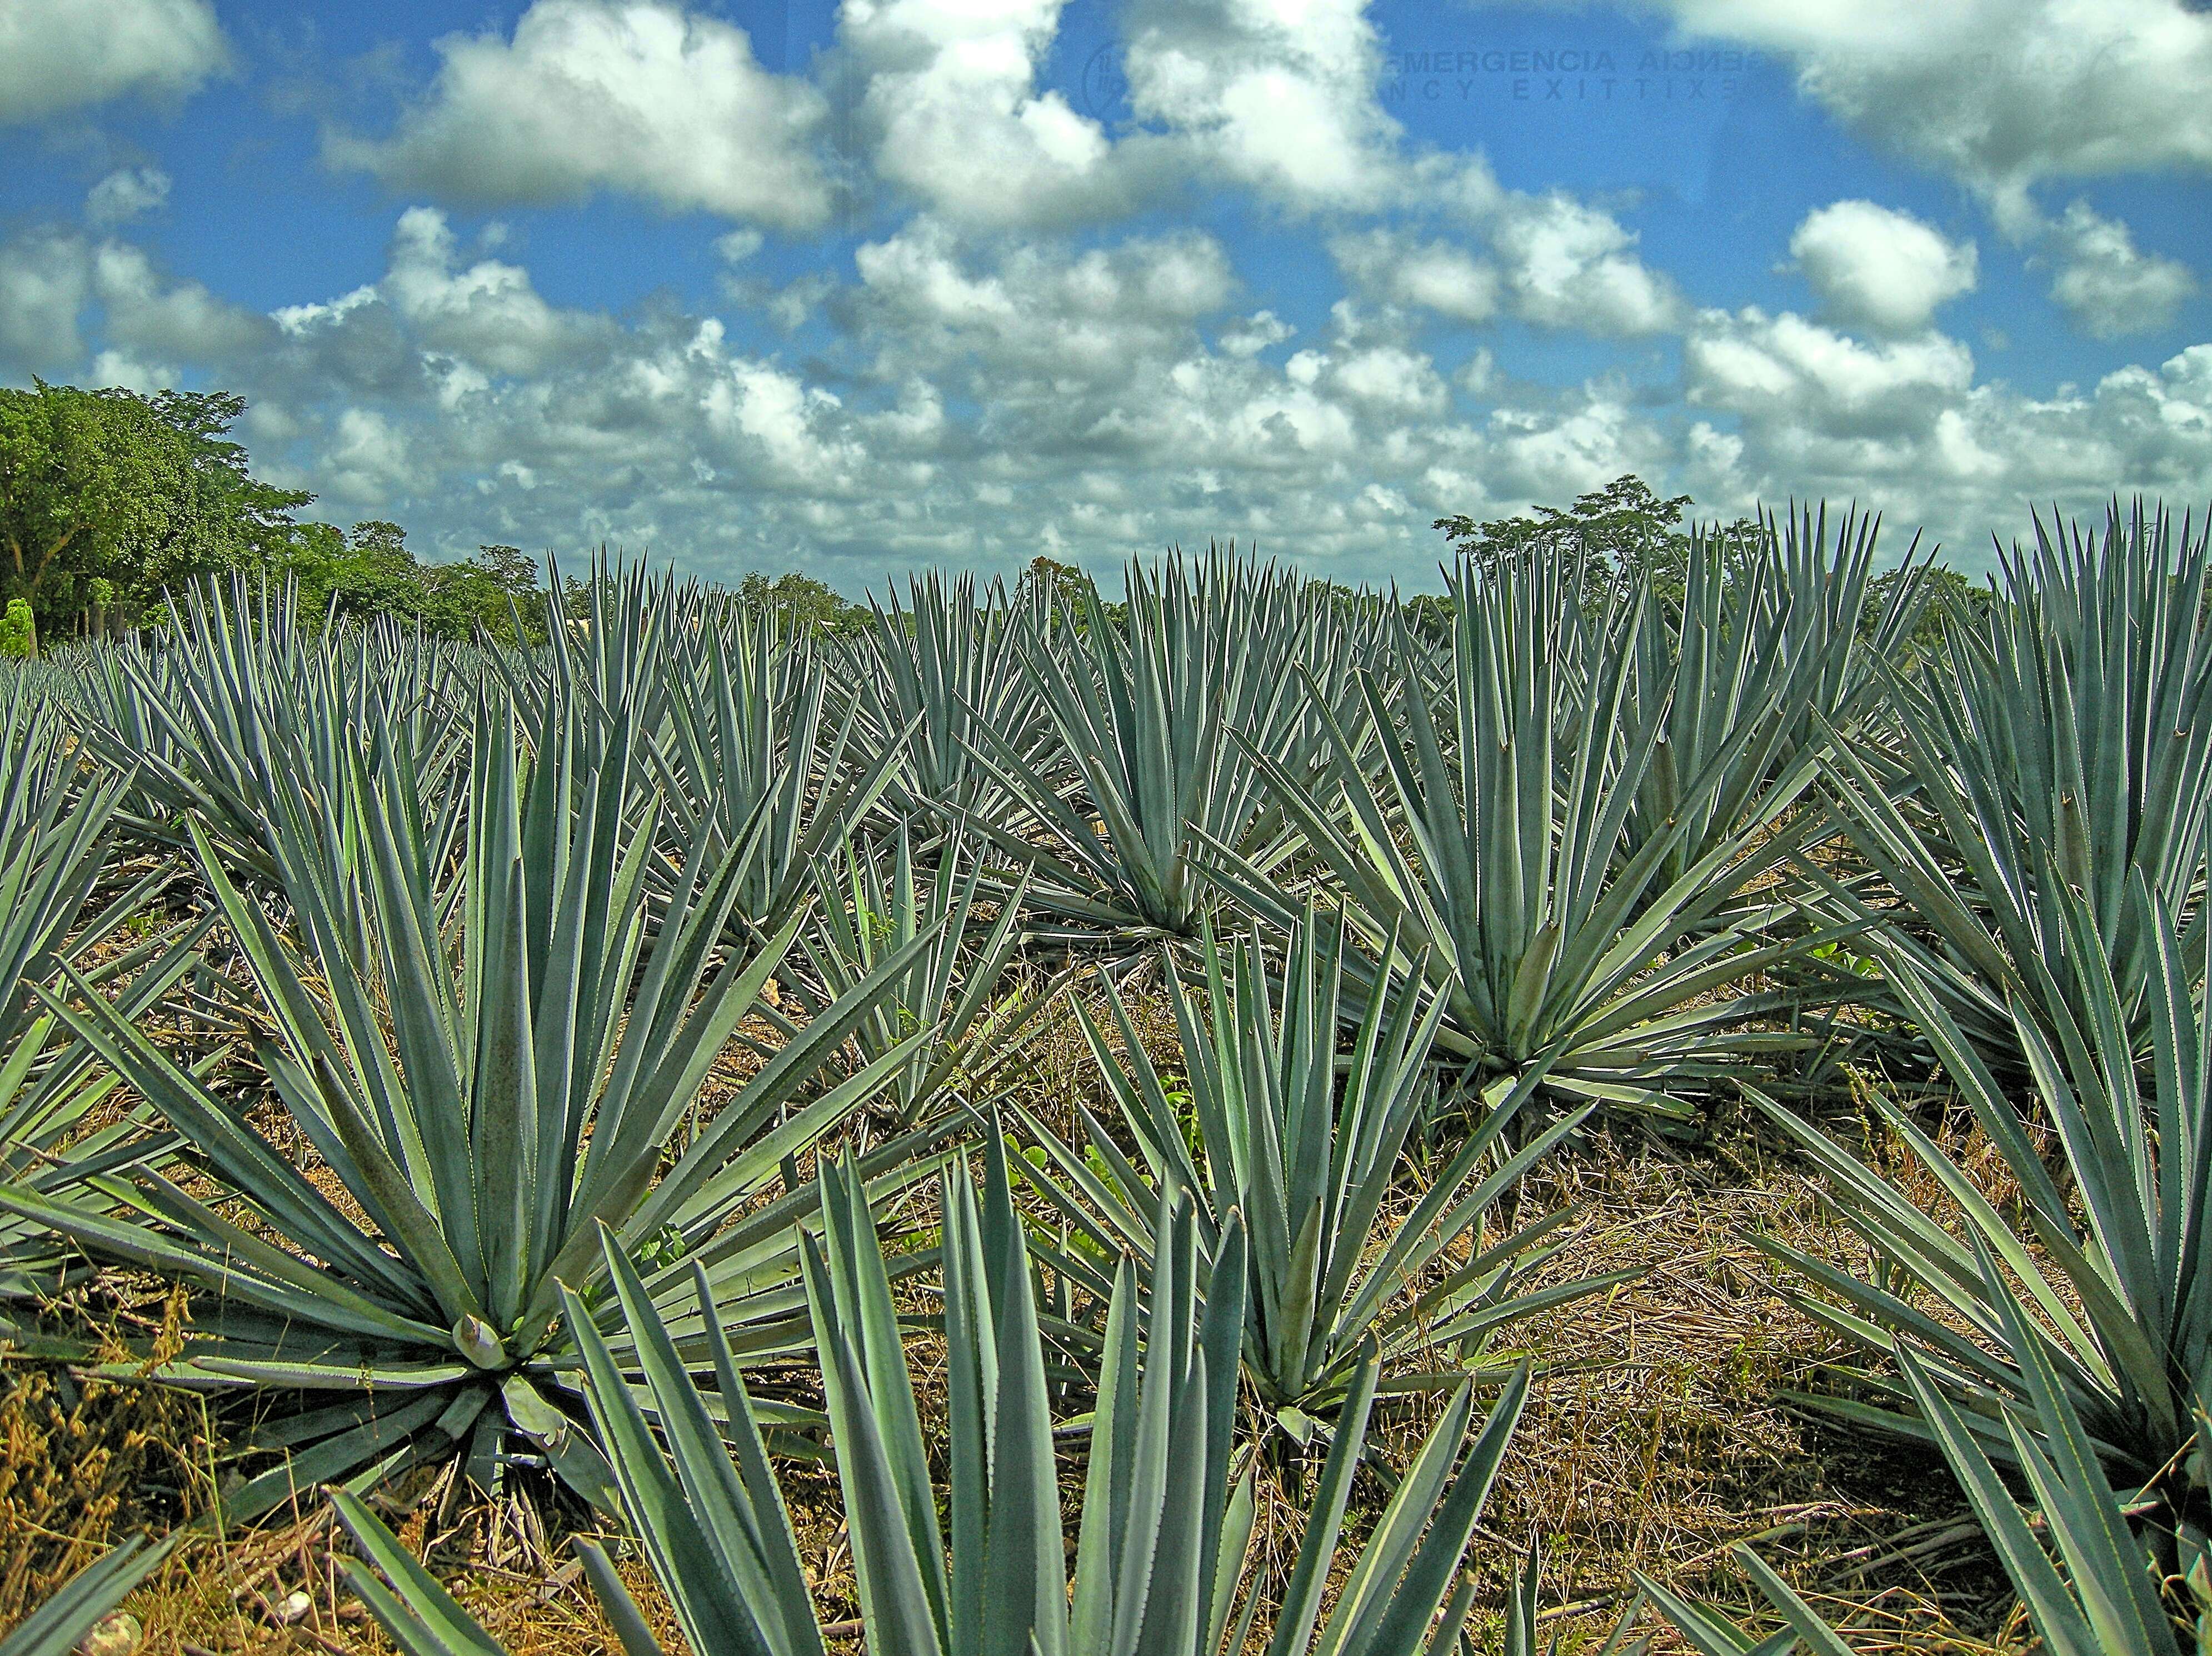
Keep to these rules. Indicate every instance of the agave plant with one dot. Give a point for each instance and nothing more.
(949, 669)
(57, 1627)
(760, 759)
(54, 838)
(1777, 632)
(1166, 1529)
(243, 712)
(51, 1087)
(2108, 1253)
(1150, 713)
(956, 985)
(2107, 1601)
(57, 822)
(491, 1066)
(2068, 746)
(1489, 841)
(1297, 1161)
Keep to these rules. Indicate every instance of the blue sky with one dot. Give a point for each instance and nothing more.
(863, 285)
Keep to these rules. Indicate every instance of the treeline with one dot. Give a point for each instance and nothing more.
(109, 498)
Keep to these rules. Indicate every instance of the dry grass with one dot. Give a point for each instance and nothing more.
(1652, 1442)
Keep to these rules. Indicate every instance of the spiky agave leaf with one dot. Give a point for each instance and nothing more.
(244, 715)
(1153, 710)
(51, 1085)
(491, 1067)
(56, 837)
(947, 665)
(56, 832)
(1774, 632)
(1489, 840)
(1162, 1547)
(2106, 1600)
(2109, 1250)
(55, 1628)
(877, 899)
(760, 756)
(1282, 1136)
(2066, 744)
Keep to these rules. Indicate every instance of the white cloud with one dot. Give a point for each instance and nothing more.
(2109, 285)
(1905, 427)
(1751, 362)
(1548, 454)
(1036, 309)
(1388, 378)
(736, 246)
(638, 97)
(1568, 265)
(950, 111)
(127, 193)
(367, 459)
(45, 282)
(1278, 95)
(1400, 268)
(787, 429)
(2003, 93)
(1550, 260)
(1249, 335)
(171, 322)
(51, 280)
(488, 314)
(1875, 267)
(971, 398)
(59, 55)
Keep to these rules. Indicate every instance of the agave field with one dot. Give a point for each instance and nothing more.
(1052, 1126)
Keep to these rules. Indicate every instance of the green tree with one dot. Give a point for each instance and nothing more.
(1945, 597)
(19, 639)
(137, 492)
(1623, 531)
(370, 571)
(354, 576)
(495, 593)
(801, 602)
(1052, 580)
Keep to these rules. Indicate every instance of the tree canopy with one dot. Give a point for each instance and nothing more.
(107, 497)
(1622, 531)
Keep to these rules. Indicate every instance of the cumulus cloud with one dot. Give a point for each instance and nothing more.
(127, 193)
(166, 321)
(2107, 284)
(487, 314)
(1551, 259)
(54, 281)
(2001, 94)
(366, 459)
(1877, 268)
(1399, 268)
(1035, 309)
(973, 397)
(1754, 363)
(1248, 336)
(950, 111)
(1569, 266)
(60, 55)
(46, 280)
(1278, 98)
(1902, 424)
(638, 97)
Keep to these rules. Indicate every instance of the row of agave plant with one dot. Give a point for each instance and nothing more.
(468, 931)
